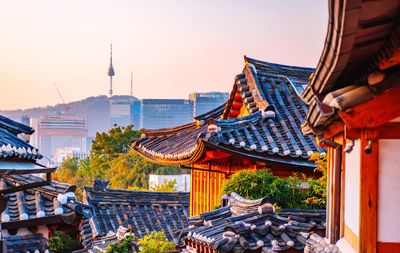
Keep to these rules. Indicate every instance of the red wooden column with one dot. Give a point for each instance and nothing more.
(369, 190)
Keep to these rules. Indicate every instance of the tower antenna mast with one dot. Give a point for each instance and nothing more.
(111, 72)
(131, 85)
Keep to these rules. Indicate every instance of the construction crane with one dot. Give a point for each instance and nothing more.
(62, 99)
(59, 93)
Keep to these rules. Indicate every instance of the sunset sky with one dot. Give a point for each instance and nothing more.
(173, 47)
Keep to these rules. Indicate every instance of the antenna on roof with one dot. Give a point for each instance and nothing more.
(131, 85)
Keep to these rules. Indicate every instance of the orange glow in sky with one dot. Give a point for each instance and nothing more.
(173, 47)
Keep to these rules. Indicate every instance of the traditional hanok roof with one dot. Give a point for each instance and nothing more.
(15, 127)
(52, 204)
(271, 131)
(358, 61)
(11, 143)
(26, 243)
(141, 211)
(316, 244)
(213, 114)
(251, 225)
(265, 86)
(101, 244)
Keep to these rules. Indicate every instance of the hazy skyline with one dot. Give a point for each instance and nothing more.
(172, 47)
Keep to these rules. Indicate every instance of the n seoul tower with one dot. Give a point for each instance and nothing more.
(111, 71)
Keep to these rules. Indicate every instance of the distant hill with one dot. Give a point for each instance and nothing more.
(96, 109)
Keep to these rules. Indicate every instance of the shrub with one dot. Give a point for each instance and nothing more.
(287, 192)
(154, 243)
(317, 191)
(123, 246)
(62, 243)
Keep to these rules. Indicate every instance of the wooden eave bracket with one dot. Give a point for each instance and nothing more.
(374, 112)
(393, 60)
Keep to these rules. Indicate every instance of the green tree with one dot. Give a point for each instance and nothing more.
(108, 146)
(112, 159)
(69, 172)
(124, 246)
(317, 192)
(63, 243)
(165, 186)
(156, 242)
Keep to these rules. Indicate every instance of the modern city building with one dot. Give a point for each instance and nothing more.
(64, 153)
(206, 101)
(161, 113)
(124, 110)
(54, 132)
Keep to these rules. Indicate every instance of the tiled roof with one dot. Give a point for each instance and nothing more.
(316, 243)
(26, 243)
(256, 133)
(14, 127)
(358, 39)
(11, 146)
(101, 244)
(47, 202)
(267, 87)
(213, 114)
(270, 92)
(143, 212)
(175, 144)
(248, 225)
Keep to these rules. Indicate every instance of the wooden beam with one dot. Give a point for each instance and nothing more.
(393, 60)
(352, 134)
(390, 130)
(215, 154)
(54, 219)
(24, 187)
(369, 190)
(333, 129)
(388, 247)
(374, 112)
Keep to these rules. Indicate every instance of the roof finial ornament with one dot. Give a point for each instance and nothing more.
(111, 71)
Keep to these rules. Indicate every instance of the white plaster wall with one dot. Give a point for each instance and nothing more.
(396, 120)
(23, 231)
(4, 233)
(352, 189)
(181, 180)
(389, 191)
(44, 230)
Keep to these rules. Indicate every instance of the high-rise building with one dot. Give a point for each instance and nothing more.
(64, 153)
(160, 113)
(206, 101)
(124, 110)
(54, 132)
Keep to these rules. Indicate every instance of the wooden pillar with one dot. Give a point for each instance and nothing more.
(191, 192)
(209, 188)
(336, 192)
(369, 190)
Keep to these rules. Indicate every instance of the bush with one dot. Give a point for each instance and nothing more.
(165, 186)
(287, 192)
(154, 243)
(317, 191)
(62, 243)
(123, 246)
